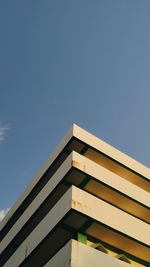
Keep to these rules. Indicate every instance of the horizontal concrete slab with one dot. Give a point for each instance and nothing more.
(38, 176)
(112, 152)
(109, 157)
(111, 216)
(113, 188)
(120, 192)
(42, 230)
(85, 256)
(76, 254)
(36, 203)
(129, 233)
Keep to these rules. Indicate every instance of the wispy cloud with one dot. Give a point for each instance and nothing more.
(3, 213)
(3, 131)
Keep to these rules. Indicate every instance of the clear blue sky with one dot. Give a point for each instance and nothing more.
(69, 61)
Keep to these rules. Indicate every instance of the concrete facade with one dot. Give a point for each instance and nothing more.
(76, 254)
(88, 205)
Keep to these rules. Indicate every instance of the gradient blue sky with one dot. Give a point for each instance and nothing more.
(69, 61)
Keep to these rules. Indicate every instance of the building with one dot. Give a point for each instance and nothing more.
(87, 206)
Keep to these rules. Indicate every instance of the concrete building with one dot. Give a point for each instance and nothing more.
(89, 206)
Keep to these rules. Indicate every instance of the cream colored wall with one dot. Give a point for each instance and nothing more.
(89, 205)
(62, 258)
(76, 254)
(84, 256)
(37, 177)
(39, 199)
(111, 151)
(111, 179)
(90, 168)
(82, 202)
(41, 231)
(94, 142)
(111, 216)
